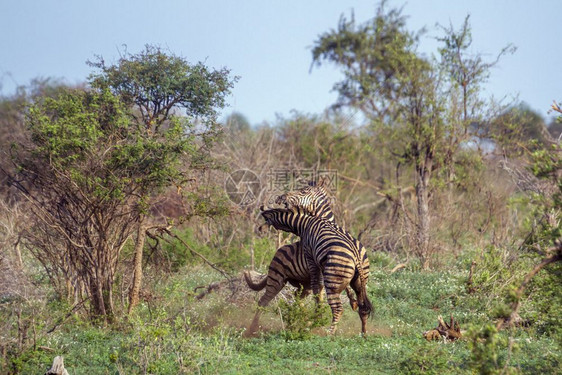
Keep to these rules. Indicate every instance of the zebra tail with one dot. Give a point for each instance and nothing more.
(255, 286)
(367, 305)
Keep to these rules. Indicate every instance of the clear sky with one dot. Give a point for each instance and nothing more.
(268, 43)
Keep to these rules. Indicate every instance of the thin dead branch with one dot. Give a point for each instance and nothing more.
(68, 315)
(234, 284)
(398, 267)
(211, 264)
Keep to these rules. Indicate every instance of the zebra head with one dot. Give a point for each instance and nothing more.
(314, 199)
(287, 220)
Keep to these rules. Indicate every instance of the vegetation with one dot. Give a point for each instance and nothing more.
(429, 107)
(121, 250)
(91, 167)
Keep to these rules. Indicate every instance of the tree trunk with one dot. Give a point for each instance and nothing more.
(18, 254)
(96, 294)
(137, 266)
(108, 298)
(423, 171)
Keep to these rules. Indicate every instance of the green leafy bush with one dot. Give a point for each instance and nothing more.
(301, 316)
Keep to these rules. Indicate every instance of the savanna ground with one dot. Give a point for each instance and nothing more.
(180, 328)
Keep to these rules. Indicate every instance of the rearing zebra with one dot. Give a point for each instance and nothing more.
(334, 258)
(289, 263)
(313, 200)
(287, 266)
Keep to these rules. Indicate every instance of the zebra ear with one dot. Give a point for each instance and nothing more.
(312, 183)
(321, 181)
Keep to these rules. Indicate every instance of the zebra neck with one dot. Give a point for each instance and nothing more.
(328, 215)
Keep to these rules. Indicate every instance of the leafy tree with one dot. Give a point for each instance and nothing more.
(544, 241)
(519, 129)
(12, 108)
(156, 85)
(74, 173)
(97, 160)
(426, 107)
(367, 54)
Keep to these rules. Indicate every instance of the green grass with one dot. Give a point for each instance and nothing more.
(177, 333)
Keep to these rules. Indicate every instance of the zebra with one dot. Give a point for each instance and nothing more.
(289, 265)
(334, 257)
(314, 200)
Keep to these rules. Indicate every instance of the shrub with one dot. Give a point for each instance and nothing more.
(301, 316)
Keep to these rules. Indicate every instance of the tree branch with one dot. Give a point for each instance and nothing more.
(214, 266)
(519, 292)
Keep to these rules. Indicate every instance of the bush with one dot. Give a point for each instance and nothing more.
(485, 345)
(301, 316)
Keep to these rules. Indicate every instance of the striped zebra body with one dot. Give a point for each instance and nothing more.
(289, 265)
(315, 200)
(334, 258)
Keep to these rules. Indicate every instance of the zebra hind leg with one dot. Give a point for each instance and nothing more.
(334, 301)
(272, 288)
(316, 280)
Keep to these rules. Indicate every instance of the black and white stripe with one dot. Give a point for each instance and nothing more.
(289, 262)
(334, 258)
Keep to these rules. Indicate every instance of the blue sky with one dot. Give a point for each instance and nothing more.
(267, 43)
